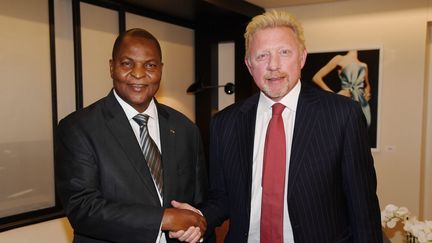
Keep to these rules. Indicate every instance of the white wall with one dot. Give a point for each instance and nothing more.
(427, 135)
(226, 73)
(400, 28)
(55, 231)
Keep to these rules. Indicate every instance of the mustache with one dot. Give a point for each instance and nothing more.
(277, 74)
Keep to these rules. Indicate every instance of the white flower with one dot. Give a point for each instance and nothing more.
(393, 214)
(422, 230)
(391, 208)
(392, 222)
(402, 212)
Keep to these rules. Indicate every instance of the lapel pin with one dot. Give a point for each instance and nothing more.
(172, 131)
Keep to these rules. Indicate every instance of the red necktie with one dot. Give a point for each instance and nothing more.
(273, 179)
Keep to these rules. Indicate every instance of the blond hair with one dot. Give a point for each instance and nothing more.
(272, 19)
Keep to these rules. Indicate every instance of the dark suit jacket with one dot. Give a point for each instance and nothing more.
(332, 181)
(103, 180)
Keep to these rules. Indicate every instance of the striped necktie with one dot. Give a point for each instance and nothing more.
(150, 151)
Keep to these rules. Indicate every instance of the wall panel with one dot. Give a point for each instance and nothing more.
(99, 28)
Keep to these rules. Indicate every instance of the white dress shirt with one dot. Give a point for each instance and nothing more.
(264, 113)
(153, 128)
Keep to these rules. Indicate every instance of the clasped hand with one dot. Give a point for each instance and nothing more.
(184, 222)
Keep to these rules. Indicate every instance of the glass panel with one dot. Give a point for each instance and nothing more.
(26, 146)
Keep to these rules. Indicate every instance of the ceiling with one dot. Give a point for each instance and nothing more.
(186, 12)
(189, 13)
(286, 3)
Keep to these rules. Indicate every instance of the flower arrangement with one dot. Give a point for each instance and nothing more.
(416, 231)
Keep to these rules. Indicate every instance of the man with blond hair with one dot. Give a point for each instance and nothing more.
(291, 163)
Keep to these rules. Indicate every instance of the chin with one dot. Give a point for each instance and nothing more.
(276, 94)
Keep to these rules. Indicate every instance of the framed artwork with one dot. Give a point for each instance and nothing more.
(354, 73)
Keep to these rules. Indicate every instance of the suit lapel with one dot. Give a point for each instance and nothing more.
(167, 131)
(120, 128)
(245, 127)
(305, 121)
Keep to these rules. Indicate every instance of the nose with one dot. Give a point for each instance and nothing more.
(274, 62)
(138, 71)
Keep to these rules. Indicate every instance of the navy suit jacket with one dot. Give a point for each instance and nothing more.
(331, 183)
(103, 180)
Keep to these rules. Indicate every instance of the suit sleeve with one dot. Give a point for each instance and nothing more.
(89, 211)
(200, 170)
(215, 209)
(360, 180)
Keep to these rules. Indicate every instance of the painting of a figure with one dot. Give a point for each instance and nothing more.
(353, 73)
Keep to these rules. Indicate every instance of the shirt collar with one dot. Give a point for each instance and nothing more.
(130, 112)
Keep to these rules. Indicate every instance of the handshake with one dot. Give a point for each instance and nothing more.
(184, 222)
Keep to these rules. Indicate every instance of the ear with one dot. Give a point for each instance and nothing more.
(111, 65)
(303, 57)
